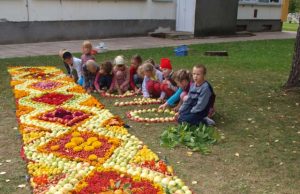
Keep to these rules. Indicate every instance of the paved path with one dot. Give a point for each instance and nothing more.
(52, 48)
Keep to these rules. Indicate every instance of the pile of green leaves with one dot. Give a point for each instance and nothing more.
(198, 138)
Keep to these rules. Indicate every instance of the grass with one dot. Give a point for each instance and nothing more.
(290, 26)
(260, 121)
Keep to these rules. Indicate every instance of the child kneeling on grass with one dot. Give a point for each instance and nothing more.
(152, 81)
(121, 76)
(183, 79)
(90, 70)
(73, 66)
(200, 100)
(103, 77)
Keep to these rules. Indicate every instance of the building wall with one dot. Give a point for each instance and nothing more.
(53, 20)
(68, 10)
(268, 17)
(264, 12)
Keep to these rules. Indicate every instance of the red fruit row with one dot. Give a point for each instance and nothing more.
(53, 98)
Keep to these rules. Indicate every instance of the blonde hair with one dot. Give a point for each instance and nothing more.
(182, 74)
(140, 71)
(150, 68)
(87, 44)
(91, 65)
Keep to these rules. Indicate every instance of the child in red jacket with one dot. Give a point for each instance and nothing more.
(168, 87)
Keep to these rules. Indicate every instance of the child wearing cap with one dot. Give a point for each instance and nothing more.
(168, 86)
(135, 80)
(121, 76)
(152, 81)
(103, 77)
(73, 66)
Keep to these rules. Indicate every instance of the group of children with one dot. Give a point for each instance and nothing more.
(189, 93)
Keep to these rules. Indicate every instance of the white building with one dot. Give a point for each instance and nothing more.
(47, 20)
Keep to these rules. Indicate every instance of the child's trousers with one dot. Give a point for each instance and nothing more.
(191, 118)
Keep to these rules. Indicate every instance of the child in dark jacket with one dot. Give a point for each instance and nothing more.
(90, 70)
(103, 77)
(199, 101)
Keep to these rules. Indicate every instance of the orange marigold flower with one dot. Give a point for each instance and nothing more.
(20, 93)
(92, 102)
(76, 89)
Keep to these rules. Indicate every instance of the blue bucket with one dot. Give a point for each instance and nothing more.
(181, 50)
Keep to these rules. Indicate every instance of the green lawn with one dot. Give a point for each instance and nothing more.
(260, 121)
(290, 27)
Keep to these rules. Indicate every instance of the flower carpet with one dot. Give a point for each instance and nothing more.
(72, 144)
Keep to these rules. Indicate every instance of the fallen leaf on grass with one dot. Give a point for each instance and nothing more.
(189, 153)
(2, 173)
(276, 141)
(237, 154)
(281, 163)
(15, 128)
(8, 161)
(251, 146)
(7, 180)
(194, 182)
(0, 164)
(21, 186)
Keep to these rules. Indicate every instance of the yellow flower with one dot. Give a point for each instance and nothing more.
(145, 154)
(93, 157)
(70, 145)
(97, 144)
(77, 149)
(89, 148)
(77, 140)
(54, 148)
(76, 134)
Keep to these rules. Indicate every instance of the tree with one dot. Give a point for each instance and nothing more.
(292, 6)
(294, 78)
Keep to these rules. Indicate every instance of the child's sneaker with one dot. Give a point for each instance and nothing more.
(209, 121)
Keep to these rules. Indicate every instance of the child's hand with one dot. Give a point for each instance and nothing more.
(137, 90)
(176, 108)
(163, 106)
(120, 92)
(177, 115)
(89, 90)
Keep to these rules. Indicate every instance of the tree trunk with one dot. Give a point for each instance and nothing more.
(294, 78)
